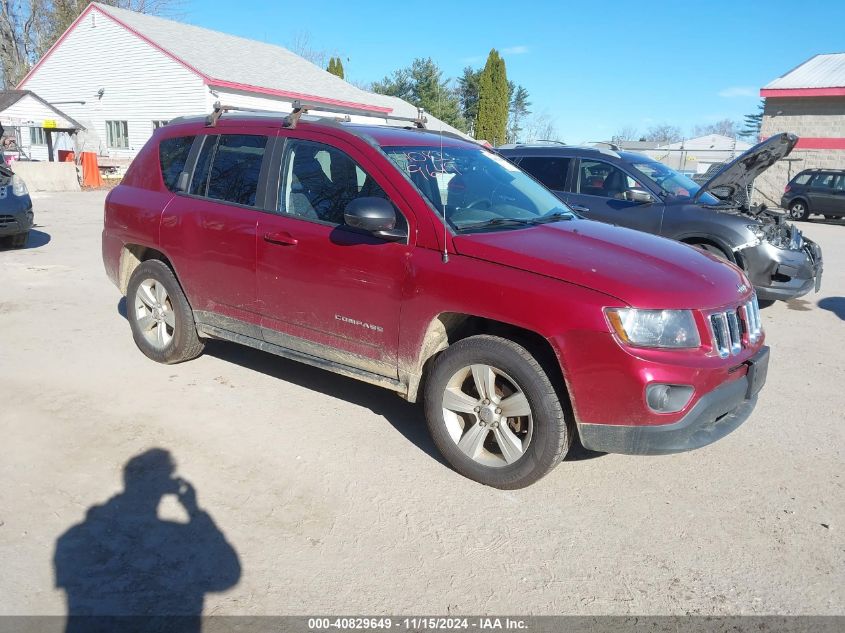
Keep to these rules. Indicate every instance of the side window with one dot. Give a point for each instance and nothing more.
(199, 183)
(597, 178)
(235, 168)
(172, 155)
(802, 179)
(824, 181)
(839, 182)
(318, 181)
(549, 171)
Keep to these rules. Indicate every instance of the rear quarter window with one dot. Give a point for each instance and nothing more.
(801, 179)
(172, 155)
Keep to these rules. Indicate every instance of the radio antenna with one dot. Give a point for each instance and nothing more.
(445, 255)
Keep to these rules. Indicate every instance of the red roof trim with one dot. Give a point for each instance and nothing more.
(802, 92)
(208, 80)
(298, 95)
(820, 143)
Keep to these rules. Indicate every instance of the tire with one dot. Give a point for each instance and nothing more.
(158, 312)
(19, 240)
(798, 210)
(536, 442)
(710, 248)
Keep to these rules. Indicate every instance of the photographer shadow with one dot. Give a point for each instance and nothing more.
(124, 568)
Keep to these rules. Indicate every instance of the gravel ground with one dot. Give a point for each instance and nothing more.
(326, 495)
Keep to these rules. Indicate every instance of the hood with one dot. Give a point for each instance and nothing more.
(642, 270)
(738, 173)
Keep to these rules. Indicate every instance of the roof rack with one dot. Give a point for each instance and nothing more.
(302, 107)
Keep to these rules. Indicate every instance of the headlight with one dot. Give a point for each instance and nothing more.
(654, 328)
(19, 186)
(783, 236)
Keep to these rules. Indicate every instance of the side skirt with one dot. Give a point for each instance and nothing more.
(212, 331)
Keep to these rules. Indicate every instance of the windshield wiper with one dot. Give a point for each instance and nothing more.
(496, 222)
(555, 216)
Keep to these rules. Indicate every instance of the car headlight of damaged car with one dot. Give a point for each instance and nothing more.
(654, 328)
(18, 186)
(783, 236)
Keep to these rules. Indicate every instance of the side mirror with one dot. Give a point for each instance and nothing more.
(375, 216)
(639, 195)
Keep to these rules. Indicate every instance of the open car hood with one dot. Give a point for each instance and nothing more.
(742, 170)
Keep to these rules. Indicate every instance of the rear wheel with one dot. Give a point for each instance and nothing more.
(799, 210)
(161, 319)
(494, 414)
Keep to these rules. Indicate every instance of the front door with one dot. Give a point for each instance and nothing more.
(324, 289)
(598, 192)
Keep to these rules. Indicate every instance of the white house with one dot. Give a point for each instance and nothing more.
(33, 124)
(121, 74)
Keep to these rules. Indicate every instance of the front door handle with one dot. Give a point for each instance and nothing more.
(579, 207)
(283, 238)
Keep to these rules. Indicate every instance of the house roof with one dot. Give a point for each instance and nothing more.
(9, 98)
(228, 61)
(821, 75)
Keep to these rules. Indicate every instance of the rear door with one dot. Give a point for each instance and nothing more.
(598, 190)
(210, 227)
(822, 192)
(322, 288)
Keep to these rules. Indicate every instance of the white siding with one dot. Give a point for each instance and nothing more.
(140, 83)
(28, 110)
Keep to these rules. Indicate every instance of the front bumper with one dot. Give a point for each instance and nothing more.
(16, 222)
(782, 274)
(716, 414)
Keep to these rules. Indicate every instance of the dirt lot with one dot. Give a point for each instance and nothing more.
(333, 499)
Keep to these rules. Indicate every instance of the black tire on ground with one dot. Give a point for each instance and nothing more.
(552, 433)
(765, 303)
(19, 240)
(184, 344)
(799, 210)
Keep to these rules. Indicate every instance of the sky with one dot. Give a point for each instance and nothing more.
(592, 67)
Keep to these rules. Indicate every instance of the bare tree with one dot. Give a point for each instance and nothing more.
(725, 127)
(28, 28)
(302, 45)
(663, 133)
(539, 127)
(625, 133)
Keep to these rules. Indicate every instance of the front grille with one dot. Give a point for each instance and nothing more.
(7, 220)
(736, 328)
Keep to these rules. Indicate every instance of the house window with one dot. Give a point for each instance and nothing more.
(117, 134)
(37, 136)
(159, 123)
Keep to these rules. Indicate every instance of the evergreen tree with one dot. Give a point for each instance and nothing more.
(468, 93)
(335, 67)
(493, 102)
(422, 85)
(518, 111)
(752, 122)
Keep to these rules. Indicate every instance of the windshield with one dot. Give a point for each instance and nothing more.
(672, 182)
(476, 189)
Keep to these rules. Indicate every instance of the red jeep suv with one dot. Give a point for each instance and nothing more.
(426, 264)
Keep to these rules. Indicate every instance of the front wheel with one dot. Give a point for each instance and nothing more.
(19, 240)
(494, 414)
(161, 319)
(798, 210)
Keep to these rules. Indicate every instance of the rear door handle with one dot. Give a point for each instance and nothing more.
(282, 238)
(578, 207)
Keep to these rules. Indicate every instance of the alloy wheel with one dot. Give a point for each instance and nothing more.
(154, 313)
(487, 415)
